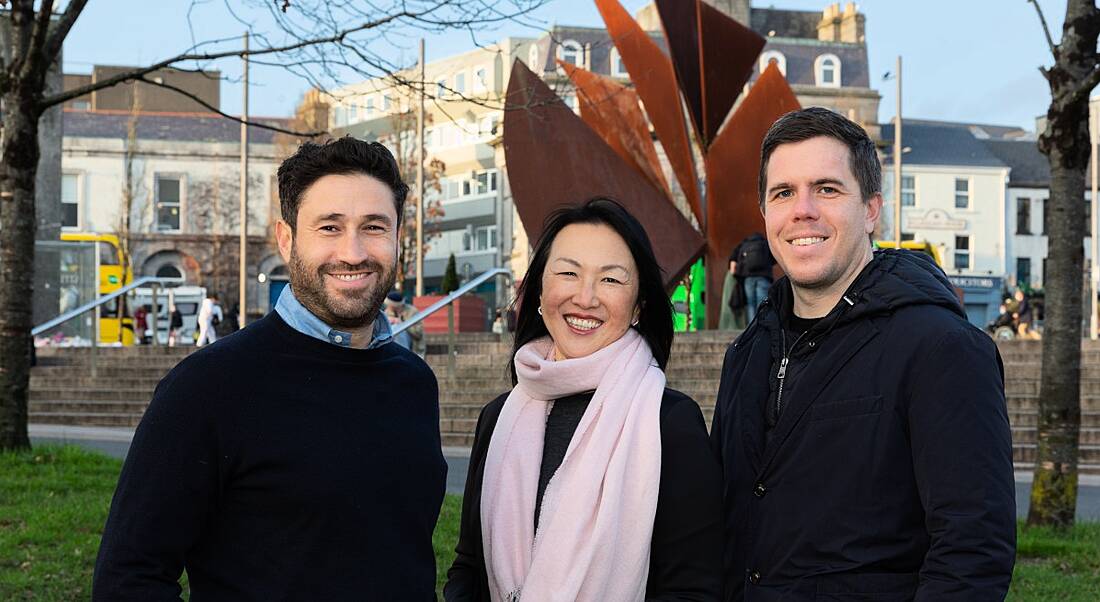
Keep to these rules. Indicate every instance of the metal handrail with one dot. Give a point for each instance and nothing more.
(69, 315)
(445, 301)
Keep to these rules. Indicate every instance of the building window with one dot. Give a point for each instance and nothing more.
(168, 204)
(962, 252)
(477, 183)
(773, 55)
(962, 193)
(460, 83)
(908, 191)
(441, 88)
(533, 59)
(370, 105)
(908, 236)
(70, 201)
(618, 69)
(1023, 272)
(340, 116)
(827, 71)
(387, 103)
(353, 113)
(481, 82)
(1023, 216)
(483, 238)
(570, 51)
(81, 105)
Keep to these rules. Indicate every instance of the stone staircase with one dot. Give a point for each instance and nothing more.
(64, 392)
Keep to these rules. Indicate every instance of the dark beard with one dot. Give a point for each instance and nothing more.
(342, 312)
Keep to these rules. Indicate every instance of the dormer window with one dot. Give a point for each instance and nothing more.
(773, 55)
(827, 71)
(571, 51)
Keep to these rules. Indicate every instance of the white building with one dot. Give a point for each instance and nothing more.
(185, 173)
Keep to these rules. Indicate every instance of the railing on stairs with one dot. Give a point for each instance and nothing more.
(94, 305)
(448, 302)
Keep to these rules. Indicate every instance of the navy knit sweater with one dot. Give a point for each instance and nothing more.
(275, 466)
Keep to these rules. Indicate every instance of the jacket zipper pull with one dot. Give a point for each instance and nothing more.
(782, 369)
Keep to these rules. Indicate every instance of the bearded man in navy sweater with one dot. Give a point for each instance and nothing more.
(298, 458)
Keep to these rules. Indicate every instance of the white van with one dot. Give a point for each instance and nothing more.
(187, 299)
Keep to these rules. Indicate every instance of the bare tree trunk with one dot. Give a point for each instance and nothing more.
(1065, 142)
(18, 167)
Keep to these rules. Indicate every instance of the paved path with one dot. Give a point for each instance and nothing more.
(116, 441)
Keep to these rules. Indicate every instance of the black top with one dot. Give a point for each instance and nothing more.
(685, 559)
(562, 422)
(275, 466)
(889, 473)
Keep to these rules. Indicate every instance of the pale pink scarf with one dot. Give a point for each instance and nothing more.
(596, 521)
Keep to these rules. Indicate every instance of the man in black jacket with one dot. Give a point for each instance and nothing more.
(861, 419)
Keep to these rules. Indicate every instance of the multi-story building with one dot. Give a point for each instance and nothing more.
(979, 194)
(823, 54)
(182, 194)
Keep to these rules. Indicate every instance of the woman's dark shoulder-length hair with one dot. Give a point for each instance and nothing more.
(655, 308)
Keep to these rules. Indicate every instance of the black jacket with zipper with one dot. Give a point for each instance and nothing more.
(888, 473)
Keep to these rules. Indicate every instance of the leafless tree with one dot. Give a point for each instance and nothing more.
(1065, 142)
(323, 42)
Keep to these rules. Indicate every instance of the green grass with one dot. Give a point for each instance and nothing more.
(1058, 566)
(54, 501)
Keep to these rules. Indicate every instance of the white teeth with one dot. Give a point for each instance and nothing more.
(802, 242)
(348, 277)
(580, 324)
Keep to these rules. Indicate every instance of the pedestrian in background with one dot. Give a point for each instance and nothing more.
(210, 315)
(751, 264)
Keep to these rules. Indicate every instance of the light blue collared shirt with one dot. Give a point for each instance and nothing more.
(301, 319)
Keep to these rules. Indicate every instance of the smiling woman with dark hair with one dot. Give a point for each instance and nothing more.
(591, 480)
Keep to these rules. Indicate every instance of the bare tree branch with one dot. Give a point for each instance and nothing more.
(136, 74)
(1046, 30)
(38, 40)
(1085, 86)
(211, 108)
(61, 29)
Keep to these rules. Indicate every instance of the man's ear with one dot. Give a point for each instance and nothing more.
(285, 237)
(874, 210)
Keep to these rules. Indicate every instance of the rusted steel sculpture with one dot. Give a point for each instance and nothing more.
(554, 157)
(611, 109)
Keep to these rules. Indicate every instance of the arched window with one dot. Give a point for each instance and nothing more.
(571, 51)
(533, 59)
(827, 71)
(773, 55)
(618, 69)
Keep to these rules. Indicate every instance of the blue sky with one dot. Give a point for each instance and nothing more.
(964, 60)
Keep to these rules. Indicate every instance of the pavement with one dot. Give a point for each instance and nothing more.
(115, 442)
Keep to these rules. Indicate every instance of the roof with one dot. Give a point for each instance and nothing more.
(1030, 168)
(183, 127)
(936, 143)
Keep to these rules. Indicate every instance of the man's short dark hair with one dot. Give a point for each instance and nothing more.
(802, 125)
(342, 156)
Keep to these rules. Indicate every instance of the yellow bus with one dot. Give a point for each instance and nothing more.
(115, 325)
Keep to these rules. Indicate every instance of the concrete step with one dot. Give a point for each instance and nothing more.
(1026, 452)
(1030, 386)
(135, 371)
(1016, 402)
(39, 381)
(76, 394)
(1089, 435)
(85, 418)
(89, 407)
(457, 439)
(1030, 418)
(1082, 468)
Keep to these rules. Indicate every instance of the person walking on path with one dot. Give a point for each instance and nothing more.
(861, 419)
(210, 315)
(299, 458)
